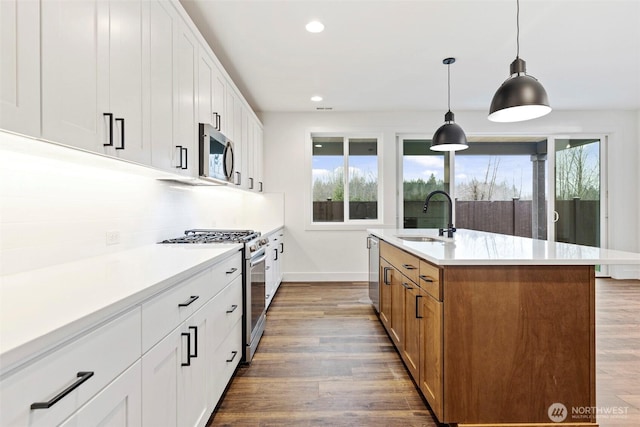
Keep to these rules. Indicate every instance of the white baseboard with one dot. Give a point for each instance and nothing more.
(326, 277)
(623, 272)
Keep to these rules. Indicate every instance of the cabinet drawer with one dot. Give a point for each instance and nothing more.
(224, 361)
(404, 262)
(164, 312)
(106, 351)
(226, 310)
(430, 279)
(227, 271)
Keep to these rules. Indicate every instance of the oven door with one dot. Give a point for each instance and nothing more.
(255, 303)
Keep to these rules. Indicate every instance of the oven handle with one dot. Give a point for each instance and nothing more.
(256, 261)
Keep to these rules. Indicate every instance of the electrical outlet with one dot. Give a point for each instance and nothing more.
(112, 237)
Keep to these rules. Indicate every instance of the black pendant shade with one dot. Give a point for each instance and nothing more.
(449, 136)
(520, 97)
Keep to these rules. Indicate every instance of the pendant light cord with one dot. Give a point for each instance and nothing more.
(449, 87)
(517, 28)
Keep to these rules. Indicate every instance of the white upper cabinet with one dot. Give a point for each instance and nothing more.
(184, 89)
(127, 78)
(74, 85)
(159, 31)
(211, 92)
(92, 76)
(20, 66)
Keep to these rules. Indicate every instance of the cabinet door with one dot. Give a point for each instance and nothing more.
(125, 80)
(412, 323)
(74, 66)
(431, 339)
(161, 368)
(20, 66)
(259, 152)
(192, 382)
(205, 88)
(386, 275)
(119, 404)
(186, 125)
(160, 30)
(397, 308)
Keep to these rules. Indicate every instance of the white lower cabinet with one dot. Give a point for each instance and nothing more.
(118, 405)
(41, 394)
(184, 375)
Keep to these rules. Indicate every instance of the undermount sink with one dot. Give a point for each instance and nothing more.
(419, 238)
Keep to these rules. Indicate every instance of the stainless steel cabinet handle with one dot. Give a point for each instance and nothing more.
(418, 307)
(260, 190)
(426, 279)
(110, 115)
(234, 353)
(238, 178)
(233, 270)
(184, 150)
(82, 377)
(233, 308)
(406, 285)
(409, 266)
(121, 120)
(250, 183)
(189, 301)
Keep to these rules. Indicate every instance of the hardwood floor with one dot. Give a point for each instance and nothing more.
(325, 360)
(618, 352)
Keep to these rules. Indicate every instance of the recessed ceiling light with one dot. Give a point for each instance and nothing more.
(315, 27)
(316, 98)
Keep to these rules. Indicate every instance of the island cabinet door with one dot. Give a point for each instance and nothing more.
(386, 273)
(412, 322)
(431, 346)
(397, 308)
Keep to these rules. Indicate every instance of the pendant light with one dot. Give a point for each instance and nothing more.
(521, 97)
(449, 136)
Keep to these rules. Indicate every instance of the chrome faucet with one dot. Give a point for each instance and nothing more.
(450, 228)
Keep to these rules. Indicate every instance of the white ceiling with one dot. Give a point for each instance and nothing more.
(386, 55)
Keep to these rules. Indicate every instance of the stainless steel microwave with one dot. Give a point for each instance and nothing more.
(216, 154)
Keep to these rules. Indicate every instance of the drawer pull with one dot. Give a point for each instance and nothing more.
(426, 279)
(234, 354)
(409, 266)
(233, 270)
(82, 377)
(110, 115)
(418, 307)
(189, 301)
(233, 308)
(406, 285)
(121, 120)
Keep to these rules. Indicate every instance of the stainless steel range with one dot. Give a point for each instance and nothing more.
(254, 294)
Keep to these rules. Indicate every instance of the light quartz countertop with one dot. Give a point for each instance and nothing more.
(469, 247)
(41, 308)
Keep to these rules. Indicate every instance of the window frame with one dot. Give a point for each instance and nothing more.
(347, 223)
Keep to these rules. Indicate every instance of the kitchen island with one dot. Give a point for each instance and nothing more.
(494, 329)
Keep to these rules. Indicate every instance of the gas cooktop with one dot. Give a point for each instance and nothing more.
(215, 236)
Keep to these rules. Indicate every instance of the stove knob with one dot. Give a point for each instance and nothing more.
(264, 241)
(252, 248)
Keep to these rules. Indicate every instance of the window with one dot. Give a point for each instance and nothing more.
(345, 179)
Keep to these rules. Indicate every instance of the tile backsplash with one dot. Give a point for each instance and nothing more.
(59, 204)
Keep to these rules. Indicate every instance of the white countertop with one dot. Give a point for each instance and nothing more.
(39, 308)
(469, 247)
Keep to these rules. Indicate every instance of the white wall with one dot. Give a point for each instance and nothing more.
(57, 204)
(341, 255)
